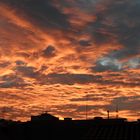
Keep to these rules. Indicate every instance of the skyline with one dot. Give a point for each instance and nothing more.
(56, 54)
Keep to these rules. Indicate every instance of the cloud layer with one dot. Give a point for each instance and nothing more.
(55, 53)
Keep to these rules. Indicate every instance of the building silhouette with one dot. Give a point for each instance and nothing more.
(44, 117)
(49, 127)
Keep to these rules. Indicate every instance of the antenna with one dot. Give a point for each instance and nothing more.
(86, 106)
(117, 111)
(86, 111)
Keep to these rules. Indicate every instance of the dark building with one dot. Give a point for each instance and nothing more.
(111, 120)
(44, 117)
(48, 127)
(67, 119)
(98, 118)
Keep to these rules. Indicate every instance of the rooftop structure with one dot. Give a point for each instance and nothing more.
(44, 117)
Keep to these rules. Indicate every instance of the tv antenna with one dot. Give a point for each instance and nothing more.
(117, 110)
(86, 105)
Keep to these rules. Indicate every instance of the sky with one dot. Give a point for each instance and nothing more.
(61, 55)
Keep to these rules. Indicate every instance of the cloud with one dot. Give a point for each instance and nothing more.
(133, 63)
(84, 43)
(20, 63)
(12, 81)
(113, 64)
(4, 64)
(107, 63)
(49, 51)
(119, 22)
(26, 71)
(86, 98)
(61, 50)
(125, 103)
(71, 79)
(41, 13)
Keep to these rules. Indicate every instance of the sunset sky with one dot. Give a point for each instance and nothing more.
(56, 54)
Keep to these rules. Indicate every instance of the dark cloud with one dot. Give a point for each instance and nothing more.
(4, 64)
(39, 12)
(85, 43)
(112, 64)
(124, 103)
(71, 79)
(12, 81)
(43, 68)
(119, 21)
(26, 71)
(107, 64)
(49, 51)
(86, 98)
(23, 54)
(12, 113)
(7, 96)
(19, 63)
(132, 82)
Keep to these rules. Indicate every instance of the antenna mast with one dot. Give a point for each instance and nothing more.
(117, 111)
(86, 106)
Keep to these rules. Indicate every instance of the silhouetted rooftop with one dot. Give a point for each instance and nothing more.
(45, 126)
(44, 117)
